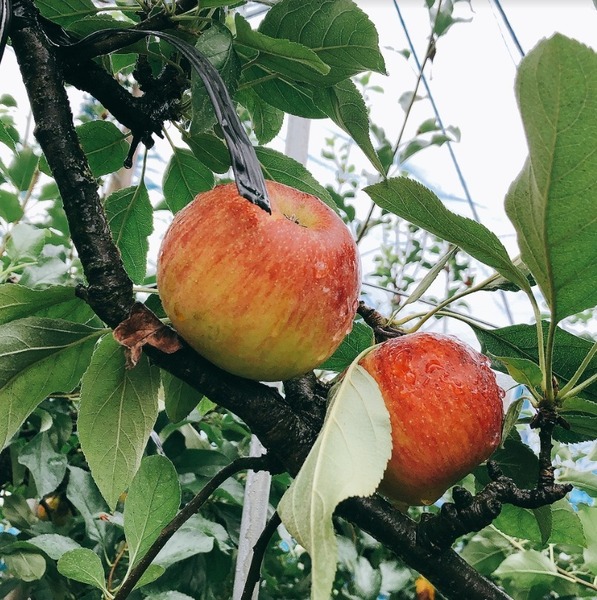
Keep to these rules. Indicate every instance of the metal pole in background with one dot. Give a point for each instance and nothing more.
(256, 503)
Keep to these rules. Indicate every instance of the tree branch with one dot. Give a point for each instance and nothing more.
(283, 431)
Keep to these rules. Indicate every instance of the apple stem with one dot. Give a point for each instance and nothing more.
(472, 513)
(382, 330)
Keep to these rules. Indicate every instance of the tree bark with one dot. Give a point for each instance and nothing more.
(287, 430)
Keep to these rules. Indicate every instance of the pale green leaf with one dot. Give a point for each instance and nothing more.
(22, 168)
(83, 493)
(348, 459)
(118, 409)
(588, 518)
(130, 216)
(418, 205)
(54, 545)
(39, 356)
(47, 466)
(191, 539)
(26, 566)
(566, 525)
(150, 574)
(552, 203)
(151, 503)
(83, 565)
(527, 568)
(184, 178)
(522, 370)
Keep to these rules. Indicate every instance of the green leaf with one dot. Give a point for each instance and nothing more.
(283, 169)
(520, 341)
(151, 503)
(358, 340)
(9, 136)
(65, 12)
(130, 216)
(526, 568)
(184, 178)
(58, 302)
(344, 104)
(47, 466)
(26, 566)
(25, 242)
(150, 574)
(293, 97)
(486, 551)
(339, 32)
(209, 150)
(281, 56)
(83, 565)
(22, 168)
(54, 545)
(267, 120)
(215, 43)
(521, 523)
(179, 397)
(566, 525)
(418, 205)
(552, 203)
(104, 145)
(522, 370)
(348, 459)
(39, 356)
(83, 493)
(192, 538)
(171, 595)
(10, 207)
(18, 512)
(588, 518)
(118, 409)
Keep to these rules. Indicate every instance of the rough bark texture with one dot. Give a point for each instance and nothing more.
(286, 427)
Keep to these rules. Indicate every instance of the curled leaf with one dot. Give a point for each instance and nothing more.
(348, 459)
(143, 327)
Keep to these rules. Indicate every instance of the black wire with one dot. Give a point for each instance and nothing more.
(509, 28)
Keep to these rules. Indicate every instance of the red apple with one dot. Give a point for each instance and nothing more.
(267, 297)
(445, 408)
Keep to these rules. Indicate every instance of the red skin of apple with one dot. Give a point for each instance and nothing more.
(446, 412)
(267, 297)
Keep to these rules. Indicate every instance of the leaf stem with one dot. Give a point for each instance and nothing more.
(565, 392)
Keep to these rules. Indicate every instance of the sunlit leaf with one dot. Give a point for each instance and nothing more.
(348, 459)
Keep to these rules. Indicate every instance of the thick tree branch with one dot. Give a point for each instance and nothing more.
(286, 434)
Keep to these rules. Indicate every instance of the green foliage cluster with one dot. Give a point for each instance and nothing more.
(97, 458)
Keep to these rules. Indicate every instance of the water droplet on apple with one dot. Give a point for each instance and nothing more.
(410, 378)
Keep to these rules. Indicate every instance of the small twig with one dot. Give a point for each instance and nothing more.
(258, 463)
(471, 513)
(258, 552)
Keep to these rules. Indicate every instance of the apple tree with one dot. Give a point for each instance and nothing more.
(125, 453)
